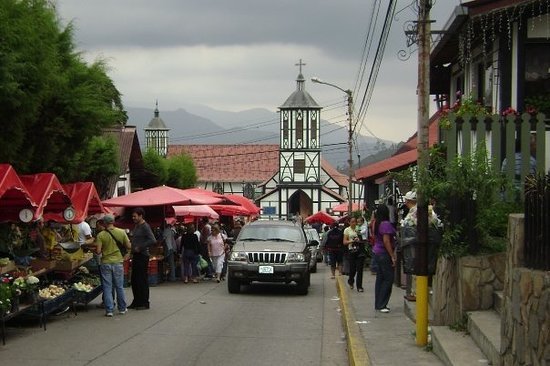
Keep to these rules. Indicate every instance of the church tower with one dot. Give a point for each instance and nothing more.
(156, 134)
(300, 146)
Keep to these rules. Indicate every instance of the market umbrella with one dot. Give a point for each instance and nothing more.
(245, 202)
(14, 196)
(232, 210)
(322, 217)
(195, 211)
(161, 196)
(200, 192)
(343, 207)
(47, 192)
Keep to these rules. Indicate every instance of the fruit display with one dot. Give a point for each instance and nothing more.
(4, 262)
(51, 292)
(83, 287)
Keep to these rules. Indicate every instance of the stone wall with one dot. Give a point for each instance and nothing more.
(466, 284)
(525, 330)
(479, 277)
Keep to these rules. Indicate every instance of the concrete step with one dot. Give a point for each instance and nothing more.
(456, 348)
(484, 327)
(498, 301)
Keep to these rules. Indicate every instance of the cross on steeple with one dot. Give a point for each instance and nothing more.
(300, 64)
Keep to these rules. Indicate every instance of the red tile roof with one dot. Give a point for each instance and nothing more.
(238, 163)
(231, 163)
(404, 157)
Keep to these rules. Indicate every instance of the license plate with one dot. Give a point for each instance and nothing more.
(265, 269)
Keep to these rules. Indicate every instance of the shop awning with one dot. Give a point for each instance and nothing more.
(232, 210)
(47, 192)
(85, 201)
(14, 196)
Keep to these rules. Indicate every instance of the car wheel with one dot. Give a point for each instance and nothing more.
(314, 268)
(302, 287)
(233, 285)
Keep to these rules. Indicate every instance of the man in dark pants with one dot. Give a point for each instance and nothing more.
(142, 239)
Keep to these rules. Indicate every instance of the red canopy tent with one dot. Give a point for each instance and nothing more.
(322, 217)
(14, 196)
(47, 192)
(85, 200)
(343, 207)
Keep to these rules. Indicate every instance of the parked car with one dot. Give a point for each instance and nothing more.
(270, 251)
(313, 235)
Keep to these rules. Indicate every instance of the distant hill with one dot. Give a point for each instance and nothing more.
(198, 124)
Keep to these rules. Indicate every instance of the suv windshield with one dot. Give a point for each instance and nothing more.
(274, 233)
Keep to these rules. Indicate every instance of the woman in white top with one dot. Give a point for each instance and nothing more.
(216, 250)
(357, 254)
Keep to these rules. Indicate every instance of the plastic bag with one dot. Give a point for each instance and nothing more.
(203, 264)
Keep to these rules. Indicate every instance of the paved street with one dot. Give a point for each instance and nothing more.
(194, 324)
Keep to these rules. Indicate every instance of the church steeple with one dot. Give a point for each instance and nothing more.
(156, 134)
(300, 147)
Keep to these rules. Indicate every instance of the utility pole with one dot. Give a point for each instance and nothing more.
(350, 157)
(421, 255)
(349, 94)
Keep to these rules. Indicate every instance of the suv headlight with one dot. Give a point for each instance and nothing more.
(238, 257)
(295, 257)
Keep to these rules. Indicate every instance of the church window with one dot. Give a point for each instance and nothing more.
(299, 166)
(218, 188)
(248, 191)
(285, 129)
(313, 129)
(299, 128)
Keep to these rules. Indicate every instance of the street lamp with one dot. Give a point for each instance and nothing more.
(350, 136)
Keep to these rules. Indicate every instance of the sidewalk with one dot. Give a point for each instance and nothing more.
(387, 339)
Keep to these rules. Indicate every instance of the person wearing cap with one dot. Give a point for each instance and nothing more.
(111, 267)
(409, 219)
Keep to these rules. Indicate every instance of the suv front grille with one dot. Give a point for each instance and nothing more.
(266, 257)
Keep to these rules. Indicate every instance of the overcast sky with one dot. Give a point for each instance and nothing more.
(239, 54)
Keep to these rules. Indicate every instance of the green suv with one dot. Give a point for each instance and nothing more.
(270, 251)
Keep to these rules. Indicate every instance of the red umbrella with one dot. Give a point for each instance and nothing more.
(232, 210)
(343, 207)
(47, 192)
(162, 196)
(322, 217)
(195, 211)
(245, 202)
(14, 196)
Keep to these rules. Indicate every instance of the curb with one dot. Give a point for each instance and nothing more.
(357, 351)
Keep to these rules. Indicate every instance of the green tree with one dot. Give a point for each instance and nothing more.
(181, 172)
(52, 102)
(103, 166)
(156, 167)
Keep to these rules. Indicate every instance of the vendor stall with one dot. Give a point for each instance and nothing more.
(16, 202)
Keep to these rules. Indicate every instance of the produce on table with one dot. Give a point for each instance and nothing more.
(84, 287)
(51, 292)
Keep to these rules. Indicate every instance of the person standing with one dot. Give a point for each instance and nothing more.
(191, 249)
(205, 232)
(356, 250)
(216, 250)
(409, 220)
(111, 267)
(384, 253)
(169, 241)
(334, 246)
(142, 239)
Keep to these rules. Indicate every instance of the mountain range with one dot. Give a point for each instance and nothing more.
(199, 124)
